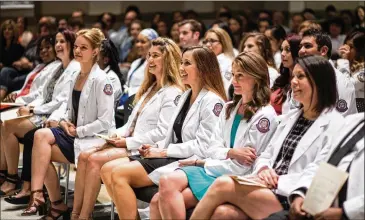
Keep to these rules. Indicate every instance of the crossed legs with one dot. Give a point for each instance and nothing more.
(254, 202)
(174, 197)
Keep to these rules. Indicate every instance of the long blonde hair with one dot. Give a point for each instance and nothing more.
(208, 68)
(224, 39)
(171, 55)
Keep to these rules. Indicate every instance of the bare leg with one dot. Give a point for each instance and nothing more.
(79, 181)
(155, 212)
(106, 173)
(227, 212)
(256, 202)
(172, 202)
(125, 177)
(2, 94)
(92, 178)
(3, 165)
(13, 130)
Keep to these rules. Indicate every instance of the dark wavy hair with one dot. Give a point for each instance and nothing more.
(109, 50)
(254, 65)
(70, 37)
(358, 40)
(48, 39)
(283, 81)
(321, 76)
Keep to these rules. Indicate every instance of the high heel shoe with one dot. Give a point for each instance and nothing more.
(64, 213)
(14, 179)
(39, 205)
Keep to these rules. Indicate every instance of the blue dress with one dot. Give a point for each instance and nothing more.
(199, 181)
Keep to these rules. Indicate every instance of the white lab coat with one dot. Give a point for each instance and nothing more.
(225, 65)
(248, 134)
(196, 132)
(346, 104)
(153, 120)
(117, 86)
(273, 74)
(95, 112)
(343, 66)
(311, 149)
(277, 59)
(135, 77)
(38, 82)
(60, 92)
(354, 205)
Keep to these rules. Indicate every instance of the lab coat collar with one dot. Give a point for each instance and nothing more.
(195, 105)
(311, 135)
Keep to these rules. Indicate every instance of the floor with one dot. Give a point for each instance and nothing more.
(101, 211)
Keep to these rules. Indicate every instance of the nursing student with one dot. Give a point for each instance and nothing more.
(188, 134)
(155, 102)
(302, 140)
(245, 127)
(89, 111)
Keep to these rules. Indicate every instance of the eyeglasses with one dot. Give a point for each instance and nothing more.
(211, 41)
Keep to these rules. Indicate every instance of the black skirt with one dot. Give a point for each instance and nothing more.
(150, 164)
(65, 143)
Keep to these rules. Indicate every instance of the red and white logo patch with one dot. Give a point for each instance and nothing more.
(341, 105)
(263, 125)
(217, 109)
(108, 89)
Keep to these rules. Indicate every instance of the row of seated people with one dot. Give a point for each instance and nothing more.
(188, 136)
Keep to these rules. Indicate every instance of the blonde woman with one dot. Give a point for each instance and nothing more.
(260, 44)
(90, 110)
(220, 43)
(155, 101)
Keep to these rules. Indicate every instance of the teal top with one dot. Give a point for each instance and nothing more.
(236, 123)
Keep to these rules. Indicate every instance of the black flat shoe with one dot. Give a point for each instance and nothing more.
(18, 201)
(14, 179)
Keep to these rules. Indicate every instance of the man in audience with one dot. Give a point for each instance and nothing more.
(119, 37)
(347, 154)
(315, 42)
(189, 33)
(296, 20)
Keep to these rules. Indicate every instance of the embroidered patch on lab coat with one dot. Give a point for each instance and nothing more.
(360, 77)
(108, 89)
(341, 105)
(177, 99)
(217, 109)
(263, 125)
(228, 75)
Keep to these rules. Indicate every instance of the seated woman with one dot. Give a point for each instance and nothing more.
(243, 132)
(52, 95)
(89, 111)
(353, 63)
(108, 61)
(303, 138)
(37, 77)
(260, 44)
(155, 102)
(10, 51)
(188, 134)
(34, 81)
(220, 43)
(281, 97)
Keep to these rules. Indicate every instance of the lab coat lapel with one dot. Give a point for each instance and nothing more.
(153, 98)
(310, 136)
(95, 70)
(286, 125)
(194, 107)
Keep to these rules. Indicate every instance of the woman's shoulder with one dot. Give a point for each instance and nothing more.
(267, 112)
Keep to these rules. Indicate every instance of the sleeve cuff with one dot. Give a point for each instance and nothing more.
(79, 132)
